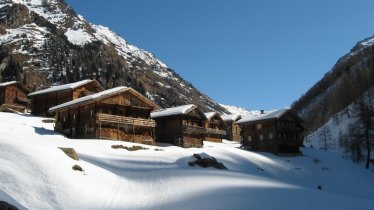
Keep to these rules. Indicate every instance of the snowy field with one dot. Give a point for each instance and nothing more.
(35, 174)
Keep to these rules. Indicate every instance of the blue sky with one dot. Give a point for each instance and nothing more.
(253, 54)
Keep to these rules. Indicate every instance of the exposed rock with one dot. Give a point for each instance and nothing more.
(206, 162)
(6, 206)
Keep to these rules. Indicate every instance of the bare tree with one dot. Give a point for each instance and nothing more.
(325, 138)
(362, 130)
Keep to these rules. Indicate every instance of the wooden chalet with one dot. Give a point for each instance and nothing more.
(278, 132)
(44, 99)
(232, 129)
(214, 126)
(119, 113)
(13, 97)
(181, 126)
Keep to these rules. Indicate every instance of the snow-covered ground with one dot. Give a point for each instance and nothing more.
(35, 174)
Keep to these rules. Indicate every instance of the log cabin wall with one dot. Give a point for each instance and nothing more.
(85, 90)
(123, 116)
(169, 130)
(193, 130)
(283, 135)
(77, 122)
(41, 103)
(2, 95)
(289, 134)
(235, 135)
(185, 130)
(14, 96)
(260, 136)
(215, 123)
(232, 131)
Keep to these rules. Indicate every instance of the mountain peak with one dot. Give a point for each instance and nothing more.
(48, 42)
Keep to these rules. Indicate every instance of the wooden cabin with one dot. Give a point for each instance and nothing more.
(232, 129)
(13, 97)
(181, 126)
(278, 132)
(119, 113)
(44, 99)
(214, 126)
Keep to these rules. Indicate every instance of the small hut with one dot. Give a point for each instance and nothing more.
(214, 126)
(279, 131)
(13, 96)
(182, 126)
(44, 99)
(119, 113)
(232, 129)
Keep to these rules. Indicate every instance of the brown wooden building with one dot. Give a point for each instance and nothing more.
(13, 96)
(119, 113)
(181, 126)
(44, 99)
(231, 127)
(214, 126)
(278, 131)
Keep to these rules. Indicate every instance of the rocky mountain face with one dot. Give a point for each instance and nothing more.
(44, 42)
(349, 79)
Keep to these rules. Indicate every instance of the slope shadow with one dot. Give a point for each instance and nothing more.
(44, 131)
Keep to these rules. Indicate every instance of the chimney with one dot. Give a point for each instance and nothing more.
(262, 111)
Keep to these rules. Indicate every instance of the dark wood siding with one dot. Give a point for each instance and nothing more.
(282, 135)
(181, 130)
(113, 118)
(14, 96)
(215, 127)
(42, 102)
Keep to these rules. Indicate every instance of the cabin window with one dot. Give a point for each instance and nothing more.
(91, 113)
(249, 138)
(74, 116)
(258, 126)
(261, 137)
(64, 119)
(270, 135)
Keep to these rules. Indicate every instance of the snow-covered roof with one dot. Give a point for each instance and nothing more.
(270, 115)
(88, 98)
(230, 117)
(7, 83)
(173, 111)
(99, 96)
(69, 86)
(209, 114)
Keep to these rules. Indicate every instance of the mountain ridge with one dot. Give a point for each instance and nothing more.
(47, 42)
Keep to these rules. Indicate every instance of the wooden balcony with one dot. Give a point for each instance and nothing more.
(193, 129)
(215, 131)
(197, 129)
(124, 120)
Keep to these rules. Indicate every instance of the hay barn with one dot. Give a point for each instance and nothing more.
(13, 97)
(214, 126)
(232, 129)
(181, 126)
(119, 113)
(44, 99)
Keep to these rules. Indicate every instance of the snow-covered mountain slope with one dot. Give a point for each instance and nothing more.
(239, 110)
(348, 79)
(36, 174)
(46, 42)
(337, 134)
